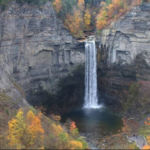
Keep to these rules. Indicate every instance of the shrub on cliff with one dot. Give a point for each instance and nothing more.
(4, 3)
(32, 2)
(137, 98)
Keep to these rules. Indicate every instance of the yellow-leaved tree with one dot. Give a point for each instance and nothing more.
(25, 132)
(74, 22)
(101, 20)
(110, 10)
(56, 129)
(76, 145)
(16, 130)
(87, 18)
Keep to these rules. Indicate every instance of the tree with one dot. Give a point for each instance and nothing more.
(74, 22)
(34, 128)
(101, 20)
(31, 2)
(57, 5)
(74, 129)
(72, 126)
(3, 4)
(87, 18)
(146, 147)
(23, 133)
(81, 4)
(103, 4)
(110, 10)
(75, 145)
(56, 129)
(56, 117)
(116, 4)
(136, 2)
(16, 130)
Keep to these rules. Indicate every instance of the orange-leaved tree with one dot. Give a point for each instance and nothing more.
(72, 126)
(110, 11)
(146, 147)
(116, 4)
(74, 22)
(74, 129)
(81, 4)
(34, 127)
(147, 122)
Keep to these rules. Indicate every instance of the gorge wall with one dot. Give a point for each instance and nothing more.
(125, 55)
(128, 36)
(36, 49)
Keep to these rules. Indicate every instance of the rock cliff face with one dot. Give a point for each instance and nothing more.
(128, 37)
(124, 56)
(36, 49)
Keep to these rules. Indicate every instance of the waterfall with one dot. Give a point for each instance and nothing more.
(90, 99)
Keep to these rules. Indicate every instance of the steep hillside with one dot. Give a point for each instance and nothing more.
(28, 128)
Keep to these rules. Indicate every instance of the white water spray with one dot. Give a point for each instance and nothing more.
(90, 99)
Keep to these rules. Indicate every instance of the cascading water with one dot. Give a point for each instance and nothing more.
(90, 99)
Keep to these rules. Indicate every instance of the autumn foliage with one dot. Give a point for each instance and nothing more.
(56, 117)
(72, 126)
(57, 5)
(23, 132)
(145, 130)
(76, 145)
(146, 147)
(73, 129)
(81, 5)
(83, 15)
(87, 18)
(31, 129)
(114, 10)
(147, 122)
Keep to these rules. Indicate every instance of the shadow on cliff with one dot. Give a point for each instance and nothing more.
(69, 94)
(125, 87)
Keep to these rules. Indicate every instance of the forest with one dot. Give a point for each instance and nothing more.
(87, 15)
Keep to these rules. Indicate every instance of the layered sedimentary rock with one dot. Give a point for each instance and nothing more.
(35, 47)
(124, 57)
(128, 37)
